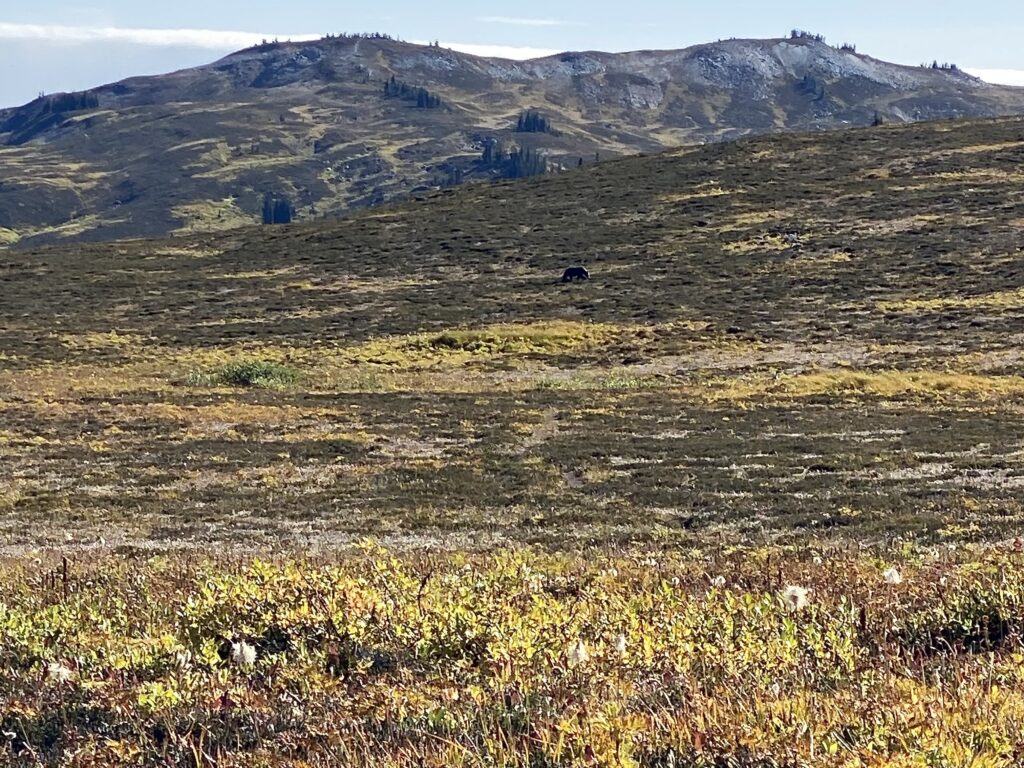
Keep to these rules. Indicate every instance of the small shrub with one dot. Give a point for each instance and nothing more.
(258, 373)
(246, 373)
(446, 341)
(200, 379)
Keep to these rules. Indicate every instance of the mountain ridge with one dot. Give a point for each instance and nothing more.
(200, 148)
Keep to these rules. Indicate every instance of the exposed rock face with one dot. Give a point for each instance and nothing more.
(198, 149)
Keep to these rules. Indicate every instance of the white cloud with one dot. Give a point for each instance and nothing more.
(999, 76)
(214, 39)
(518, 53)
(514, 20)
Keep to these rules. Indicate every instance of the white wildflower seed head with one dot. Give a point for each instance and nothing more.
(718, 581)
(58, 673)
(796, 598)
(578, 654)
(817, 560)
(243, 654)
(892, 576)
(620, 645)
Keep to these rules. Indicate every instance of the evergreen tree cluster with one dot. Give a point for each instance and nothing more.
(513, 163)
(452, 176)
(70, 102)
(360, 36)
(533, 121)
(269, 44)
(525, 162)
(802, 34)
(277, 209)
(494, 154)
(455, 177)
(848, 48)
(424, 99)
(45, 112)
(945, 66)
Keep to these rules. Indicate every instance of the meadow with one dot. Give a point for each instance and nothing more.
(382, 491)
(715, 657)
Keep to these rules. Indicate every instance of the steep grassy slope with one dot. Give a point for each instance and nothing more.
(813, 335)
(197, 150)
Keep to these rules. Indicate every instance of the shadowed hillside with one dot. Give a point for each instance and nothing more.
(803, 335)
(346, 123)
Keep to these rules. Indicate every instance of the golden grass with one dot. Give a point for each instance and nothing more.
(72, 227)
(841, 384)
(980, 175)
(763, 243)
(810, 261)
(995, 300)
(196, 144)
(193, 251)
(752, 218)
(211, 216)
(238, 165)
(455, 360)
(101, 341)
(708, 189)
(460, 346)
(976, 149)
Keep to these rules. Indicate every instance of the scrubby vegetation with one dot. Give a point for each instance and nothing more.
(748, 497)
(247, 373)
(649, 658)
(792, 338)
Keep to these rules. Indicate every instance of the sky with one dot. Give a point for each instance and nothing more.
(52, 45)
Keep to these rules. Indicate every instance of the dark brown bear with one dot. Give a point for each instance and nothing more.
(575, 273)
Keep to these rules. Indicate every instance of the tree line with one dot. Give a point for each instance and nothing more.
(424, 99)
(532, 121)
(277, 209)
(512, 162)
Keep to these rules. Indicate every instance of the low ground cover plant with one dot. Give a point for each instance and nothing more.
(246, 373)
(516, 658)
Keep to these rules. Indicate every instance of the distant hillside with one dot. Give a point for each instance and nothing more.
(311, 130)
(791, 334)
